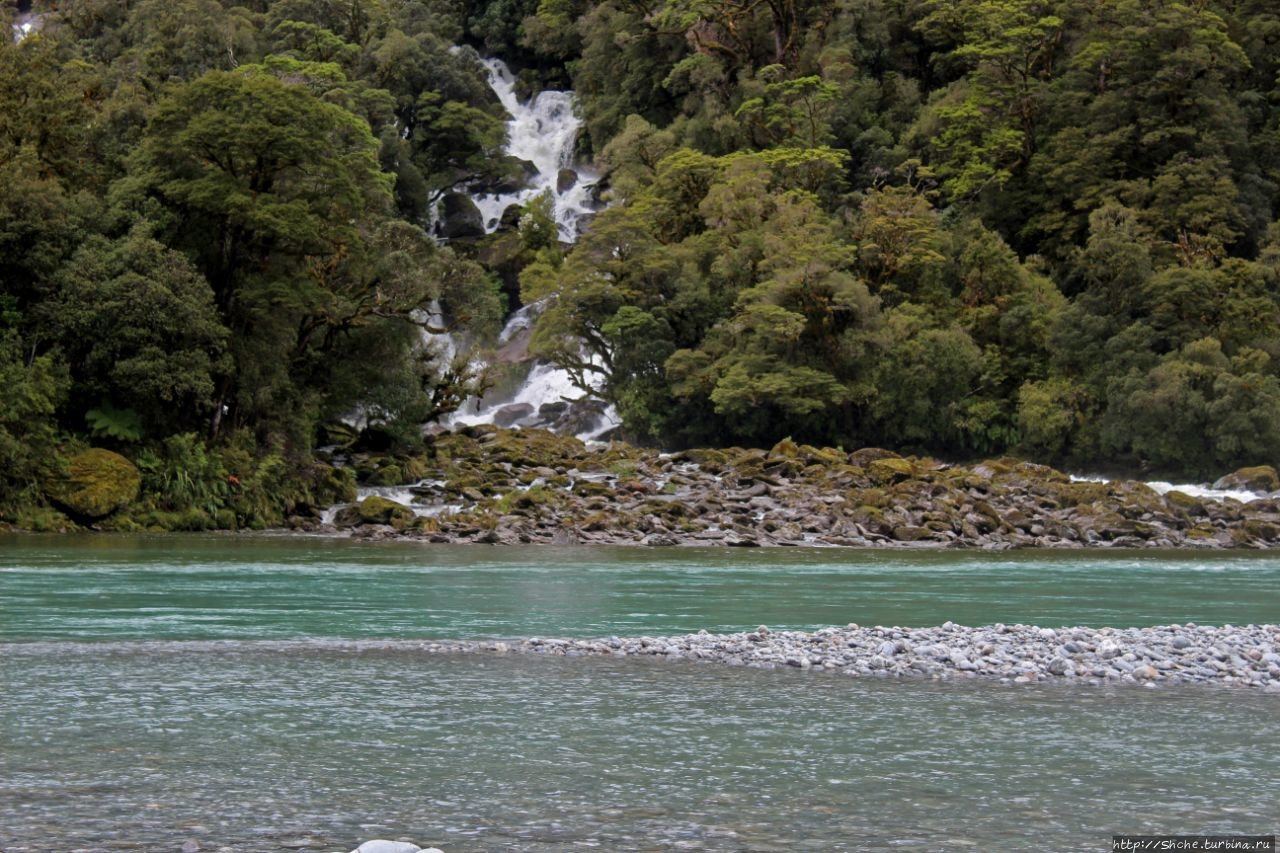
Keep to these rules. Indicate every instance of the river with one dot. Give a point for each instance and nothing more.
(266, 694)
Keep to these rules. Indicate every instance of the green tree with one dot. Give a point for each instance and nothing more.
(139, 330)
(1144, 107)
(1197, 411)
(34, 388)
(927, 373)
(983, 130)
(279, 198)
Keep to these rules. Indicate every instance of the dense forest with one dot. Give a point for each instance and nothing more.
(959, 227)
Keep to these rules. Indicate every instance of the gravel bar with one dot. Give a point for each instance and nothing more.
(1238, 656)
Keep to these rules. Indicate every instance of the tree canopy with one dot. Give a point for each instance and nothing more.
(964, 228)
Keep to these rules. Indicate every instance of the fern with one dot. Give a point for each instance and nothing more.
(109, 422)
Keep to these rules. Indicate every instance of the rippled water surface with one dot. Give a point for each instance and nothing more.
(257, 587)
(269, 695)
(258, 746)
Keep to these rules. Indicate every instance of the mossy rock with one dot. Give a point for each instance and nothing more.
(380, 510)
(710, 460)
(873, 497)
(911, 533)
(386, 475)
(1183, 502)
(531, 448)
(1202, 532)
(777, 467)
(1259, 478)
(785, 449)
(1264, 530)
(97, 482)
(891, 470)
(864, 457)
(183, 520)
(590, 488)
(329, 485)
(1084, 493)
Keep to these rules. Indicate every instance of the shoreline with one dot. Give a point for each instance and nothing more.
(490, 486)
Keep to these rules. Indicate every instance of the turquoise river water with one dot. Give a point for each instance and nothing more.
(267, 694)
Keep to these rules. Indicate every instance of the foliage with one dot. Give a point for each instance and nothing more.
(182, 474)
(967, 228)
(34, 388)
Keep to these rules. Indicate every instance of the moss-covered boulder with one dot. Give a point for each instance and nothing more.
(864, 457)
(95, 484)
(890, 470)
(376, 510)
(1184, 503)
(1259, 478)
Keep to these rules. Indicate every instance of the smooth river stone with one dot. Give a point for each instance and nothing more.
(379, 845)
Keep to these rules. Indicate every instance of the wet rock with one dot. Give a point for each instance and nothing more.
(512, 413)
(1260, 478)
(510, 219)
(566, 179)
(460, 218)
(379, 845)
(377, 510)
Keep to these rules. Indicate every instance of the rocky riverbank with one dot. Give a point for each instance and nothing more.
(1247, 656)
(489, 485)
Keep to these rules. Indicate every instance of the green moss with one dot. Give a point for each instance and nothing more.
(389, 474)
(1180, 501)
(379, 510)
(43, 520)
(1258, 478)
(161, 520)
(1264, 530)
(96, 483)
(893, 470)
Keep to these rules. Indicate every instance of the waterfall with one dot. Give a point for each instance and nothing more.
(545, 396)
(25, 24)
(543, 132)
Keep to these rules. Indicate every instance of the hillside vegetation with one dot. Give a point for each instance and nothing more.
(957, 228)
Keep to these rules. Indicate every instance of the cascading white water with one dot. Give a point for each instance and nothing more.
(542, 131)
(1192, 489)
(546, 396)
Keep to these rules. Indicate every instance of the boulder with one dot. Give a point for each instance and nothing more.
(460, 218)
(96, 483)
(552, 411)
(510, 219)
(566, 179)
(1259, 478)
(380, 510)
(862, 458)
(519, 175)
(512, 413)
(379, 845)
(890, 470)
